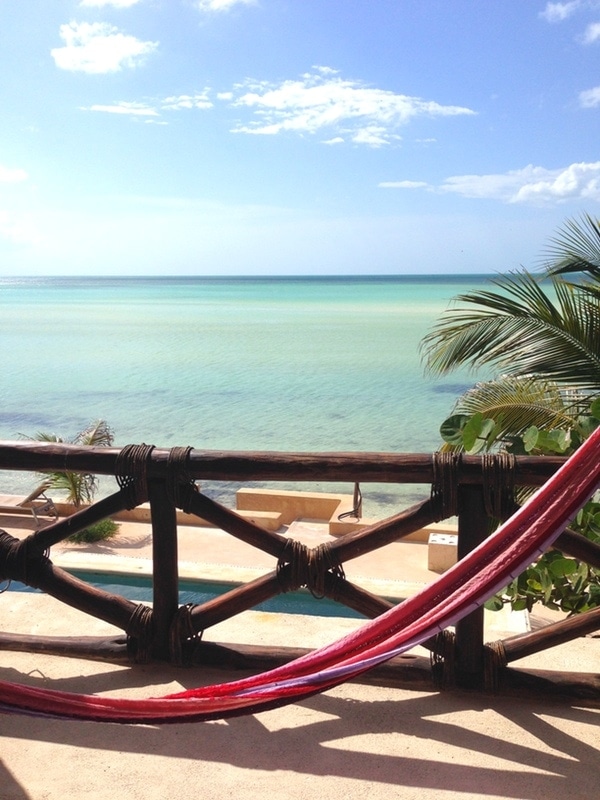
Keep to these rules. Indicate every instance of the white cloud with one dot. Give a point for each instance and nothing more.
(131, 109)
(322, 100)
(557, 12)
(187, 101)
(531, 185)
(222, 5)
(98, 47)
(374, 136)
(590, 98)
(183, 102)
(578, 181)
(592, 33)
(114, 3)
(12, 174)
(318, 102)
(403, 185)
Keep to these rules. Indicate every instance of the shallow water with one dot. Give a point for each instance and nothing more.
(228, 364)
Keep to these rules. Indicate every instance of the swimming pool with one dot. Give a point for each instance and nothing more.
(139, 588)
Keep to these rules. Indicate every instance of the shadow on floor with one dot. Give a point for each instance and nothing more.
(432, 742)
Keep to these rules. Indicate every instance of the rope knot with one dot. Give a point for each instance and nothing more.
(131, 472)
(300, 566)
(140, 634)
(494, 661)
(18, 563)
(498, 484)
(443, 659)
(183, 636)
(444, 484)
(180, 484)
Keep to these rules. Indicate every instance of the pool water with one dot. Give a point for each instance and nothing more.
(139, 588)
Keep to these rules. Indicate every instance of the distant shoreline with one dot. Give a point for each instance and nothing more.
(441, 277)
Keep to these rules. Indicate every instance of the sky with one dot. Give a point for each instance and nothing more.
(257, 137)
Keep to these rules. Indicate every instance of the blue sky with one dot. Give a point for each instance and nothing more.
(294, 136)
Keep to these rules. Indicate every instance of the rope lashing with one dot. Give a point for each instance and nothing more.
(494, 660)
(183, 636)
(322, 560)
(444, 484)
(443, 659)
(16, 563)
(498, 484)
(356, 512)
(300, 566)
(140, 634)
(131, 472)
(180, 484)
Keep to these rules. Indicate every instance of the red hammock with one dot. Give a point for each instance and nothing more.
(460, 590)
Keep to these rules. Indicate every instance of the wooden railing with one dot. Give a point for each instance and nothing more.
(467, 486)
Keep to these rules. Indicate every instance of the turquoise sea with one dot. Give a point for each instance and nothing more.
(307, 364)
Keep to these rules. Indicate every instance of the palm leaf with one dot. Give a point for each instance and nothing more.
(517, 403)
(97, 434)
(576, 248)
(522, 329)
(78, 487)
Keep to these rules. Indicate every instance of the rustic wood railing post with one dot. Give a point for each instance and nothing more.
(165, 573)
(472, 530)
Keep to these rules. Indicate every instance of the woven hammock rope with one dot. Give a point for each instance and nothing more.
(458, 591)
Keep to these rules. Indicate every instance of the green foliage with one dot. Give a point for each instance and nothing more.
(100, 531)
(522, 328)
(556, 581)
(78, 488)
(514, 404)
(542, 333)
(546, 326)
(473, 433)
(576, 248)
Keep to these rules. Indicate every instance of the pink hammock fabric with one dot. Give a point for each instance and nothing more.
(460, 590)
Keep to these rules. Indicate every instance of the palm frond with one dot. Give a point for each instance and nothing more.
(518, 403)
(576, 248)
(521, 329)
(41, 436)
(78, 487)
(97, 434)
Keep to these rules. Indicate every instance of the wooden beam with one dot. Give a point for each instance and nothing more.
(566, 630)
(264, 465)
(165, 569)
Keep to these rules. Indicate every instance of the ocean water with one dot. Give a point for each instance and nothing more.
(303, 364)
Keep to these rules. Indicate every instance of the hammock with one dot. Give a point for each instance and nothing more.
(460, 590)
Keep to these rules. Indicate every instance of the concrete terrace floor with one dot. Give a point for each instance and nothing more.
(355, 741)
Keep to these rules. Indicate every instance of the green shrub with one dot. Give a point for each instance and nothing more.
(554, 580)
(105, 529)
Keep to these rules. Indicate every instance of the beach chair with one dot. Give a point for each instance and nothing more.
(41, 506)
